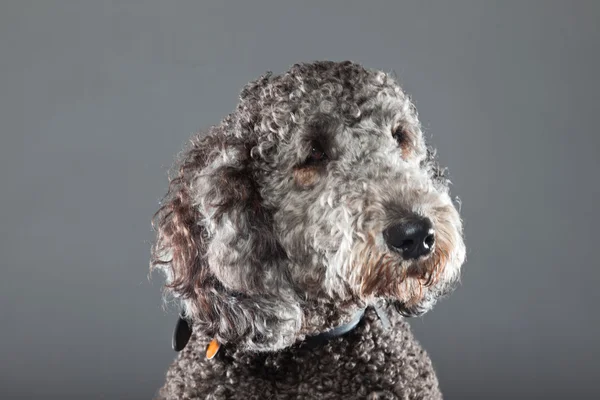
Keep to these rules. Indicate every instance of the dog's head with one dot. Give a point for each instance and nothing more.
(318, 188)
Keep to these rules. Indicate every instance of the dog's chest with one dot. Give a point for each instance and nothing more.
(367, 363)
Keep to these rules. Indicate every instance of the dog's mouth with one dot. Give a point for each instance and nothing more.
(385, 274)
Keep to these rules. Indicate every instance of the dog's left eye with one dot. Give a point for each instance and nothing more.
(400, 135)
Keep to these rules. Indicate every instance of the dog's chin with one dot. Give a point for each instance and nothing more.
(424, 283)
(431, 291)
(407, 311)
(412, 286)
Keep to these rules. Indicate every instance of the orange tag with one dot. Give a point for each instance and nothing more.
(212, 349)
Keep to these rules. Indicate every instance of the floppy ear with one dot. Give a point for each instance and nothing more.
(215, 242)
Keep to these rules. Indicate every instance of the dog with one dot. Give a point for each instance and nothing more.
(298, 234)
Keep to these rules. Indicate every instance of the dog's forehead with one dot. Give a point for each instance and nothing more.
(387, 107)
(382, 103)
(325, 100)
(378, 114)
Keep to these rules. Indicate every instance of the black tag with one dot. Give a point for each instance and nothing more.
(181, 334)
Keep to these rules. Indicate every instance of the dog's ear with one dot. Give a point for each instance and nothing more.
(215, 243)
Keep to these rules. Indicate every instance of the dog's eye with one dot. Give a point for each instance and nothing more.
(400, 135)
(317, 154)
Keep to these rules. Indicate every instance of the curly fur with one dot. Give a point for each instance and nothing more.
(370, 363)
(263, 246)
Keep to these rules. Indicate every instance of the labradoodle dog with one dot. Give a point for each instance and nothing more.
(298, 233)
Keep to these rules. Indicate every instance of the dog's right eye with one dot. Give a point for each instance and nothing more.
(317, 154)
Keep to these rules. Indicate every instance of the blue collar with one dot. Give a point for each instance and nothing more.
(323, 337)
(183, 331)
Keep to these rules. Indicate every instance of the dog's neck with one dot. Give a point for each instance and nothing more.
(322, 321)
(323, 316)
(340, 330)
(329, 320)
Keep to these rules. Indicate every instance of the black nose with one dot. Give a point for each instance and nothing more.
(413, 238)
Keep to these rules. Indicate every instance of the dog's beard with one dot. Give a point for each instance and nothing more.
(412, 286)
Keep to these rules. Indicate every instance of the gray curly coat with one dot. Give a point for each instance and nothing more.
(274, 229)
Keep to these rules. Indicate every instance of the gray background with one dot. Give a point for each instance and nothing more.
(97, 97)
